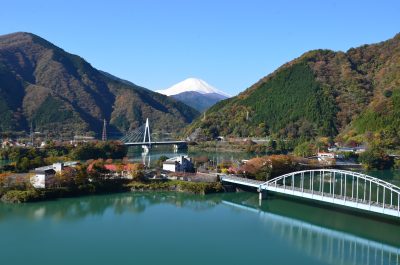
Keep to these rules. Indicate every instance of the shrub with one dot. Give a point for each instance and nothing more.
(19, 196)
(375, 158)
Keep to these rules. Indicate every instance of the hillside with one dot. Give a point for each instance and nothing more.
(199, 101)
(351, 96)
(61, 93)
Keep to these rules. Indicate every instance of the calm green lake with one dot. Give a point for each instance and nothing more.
(173, 228)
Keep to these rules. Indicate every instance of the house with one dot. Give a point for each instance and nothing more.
(324, 156)
(179, 164)
(7, 143)
(82, 139)
(44, 176)
(344, 149)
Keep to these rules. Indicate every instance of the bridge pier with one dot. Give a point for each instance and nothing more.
(146, 148)
(262, 194)
(179, 146)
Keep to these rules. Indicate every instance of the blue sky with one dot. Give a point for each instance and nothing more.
(229, 44)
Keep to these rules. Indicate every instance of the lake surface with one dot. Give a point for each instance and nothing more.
(173, 228)
(4, 162)
(150, 159)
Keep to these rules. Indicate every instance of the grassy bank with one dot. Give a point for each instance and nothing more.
(35, 195)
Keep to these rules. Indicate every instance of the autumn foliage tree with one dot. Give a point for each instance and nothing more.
(267, 167)
(136, 170)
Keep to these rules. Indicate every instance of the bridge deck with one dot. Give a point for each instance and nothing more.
(242, 181)
(155, 143)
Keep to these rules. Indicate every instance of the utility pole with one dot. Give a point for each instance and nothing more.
(104, 135)
(247, 115)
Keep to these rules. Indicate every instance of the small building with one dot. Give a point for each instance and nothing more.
(345, 149)
(7, 143)
(179, 164)
(324, 156)
(82, 139)
(44, 176)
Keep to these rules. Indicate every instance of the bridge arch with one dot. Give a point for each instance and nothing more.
(340, 187)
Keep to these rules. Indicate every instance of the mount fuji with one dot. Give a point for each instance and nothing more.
(196, 93)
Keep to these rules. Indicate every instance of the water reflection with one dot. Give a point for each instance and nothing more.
(75, 209)
(324, 244)
(325, 235)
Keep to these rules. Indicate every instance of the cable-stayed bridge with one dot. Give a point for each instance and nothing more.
(144, 138)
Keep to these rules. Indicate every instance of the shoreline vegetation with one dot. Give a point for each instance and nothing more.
(36, 195)
(94, 176)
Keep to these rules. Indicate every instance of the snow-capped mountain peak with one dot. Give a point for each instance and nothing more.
(192, 84)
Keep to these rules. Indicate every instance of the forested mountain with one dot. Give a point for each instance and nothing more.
(61, 93)
(352, 97)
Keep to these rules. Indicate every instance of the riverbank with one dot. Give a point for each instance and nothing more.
(35, 195)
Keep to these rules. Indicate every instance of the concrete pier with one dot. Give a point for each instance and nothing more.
(146, 148)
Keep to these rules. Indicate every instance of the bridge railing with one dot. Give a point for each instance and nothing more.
(342, 185)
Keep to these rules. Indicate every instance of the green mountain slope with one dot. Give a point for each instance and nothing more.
(351, 96)
(60, 93)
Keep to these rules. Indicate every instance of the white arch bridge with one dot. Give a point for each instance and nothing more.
(332, 186)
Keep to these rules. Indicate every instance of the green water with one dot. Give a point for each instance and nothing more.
(170, 228)
(150, 159)
(4, 162)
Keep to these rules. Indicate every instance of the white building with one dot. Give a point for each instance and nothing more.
(178, 164)
(323, 156)
(7, 143)
(44, 176)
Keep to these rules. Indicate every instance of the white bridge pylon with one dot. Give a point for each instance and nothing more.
(141, 136)
(333, 186)
(147, 132)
